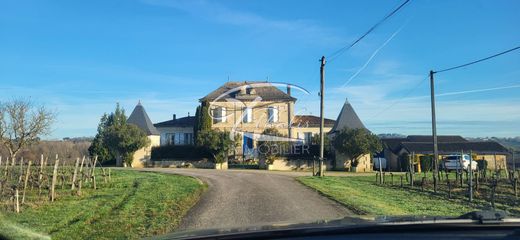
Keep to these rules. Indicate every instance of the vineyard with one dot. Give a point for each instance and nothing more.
(80, 199)
(26, 182)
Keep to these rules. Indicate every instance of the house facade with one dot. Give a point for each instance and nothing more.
(247, 109)
(177, 131)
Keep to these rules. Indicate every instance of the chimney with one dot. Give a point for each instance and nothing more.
(174, 116)
(288, 89)
(188, 114)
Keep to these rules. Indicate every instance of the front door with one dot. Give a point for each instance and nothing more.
(247, 146)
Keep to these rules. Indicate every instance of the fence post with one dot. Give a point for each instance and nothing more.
(515, 183)
(493, 191)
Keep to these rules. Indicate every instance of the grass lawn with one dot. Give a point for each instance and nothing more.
(133, 205)
(364, 196)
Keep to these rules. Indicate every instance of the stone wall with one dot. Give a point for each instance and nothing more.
(171, 163)
(343, 163)
(143, 155)
(291, 165)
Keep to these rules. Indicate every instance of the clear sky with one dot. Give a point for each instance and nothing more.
(81, 57)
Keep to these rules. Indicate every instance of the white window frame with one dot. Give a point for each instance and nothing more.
(219, 115)
(248, 115)
(272, 114)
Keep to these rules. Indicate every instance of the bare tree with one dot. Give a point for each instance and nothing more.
(22, 123)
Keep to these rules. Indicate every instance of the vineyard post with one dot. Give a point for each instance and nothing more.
(80, 182)
(6, 166)
(75, 174)
(54, 178)
(27, 174)
(40, 175)
(94, 173)
(20, 177)
(17, 202)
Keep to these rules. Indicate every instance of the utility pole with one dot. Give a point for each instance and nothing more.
(322, 93)
(434, 134)
(470, 170)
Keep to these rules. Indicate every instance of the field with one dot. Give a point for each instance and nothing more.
(131, 205)
(364, 196)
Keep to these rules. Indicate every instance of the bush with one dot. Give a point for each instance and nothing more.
(426, 163)
(482, 164)
(311, 151)
(184, 152)
(405, 162)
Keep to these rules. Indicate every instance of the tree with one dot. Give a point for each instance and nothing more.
(355, 143)
(123, 141)
(205, 117)
(97, 147)
(218, 143)
(196, 124)
(120, 139)
(22, 124)
(270, 149)
(203, 121)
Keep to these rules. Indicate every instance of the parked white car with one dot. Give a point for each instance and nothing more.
(453, 162)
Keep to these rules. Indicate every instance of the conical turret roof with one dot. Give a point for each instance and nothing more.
(347, 119)
(141, 119)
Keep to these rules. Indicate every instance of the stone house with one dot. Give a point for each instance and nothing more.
(140, 118)
(395, 148)
(348, 118)
(177, 131)
(247, 109)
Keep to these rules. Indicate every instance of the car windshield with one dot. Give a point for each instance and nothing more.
(131, 119)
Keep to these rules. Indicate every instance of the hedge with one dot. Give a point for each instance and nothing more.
(184, 152)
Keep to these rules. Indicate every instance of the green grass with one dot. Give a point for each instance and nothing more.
(133, 205)
(363, 196)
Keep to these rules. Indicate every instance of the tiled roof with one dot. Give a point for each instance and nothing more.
(487, 147)
(141, 119)
(179, 122)
(429, 138)
(264, 90)
(347, 119)
(311, 121)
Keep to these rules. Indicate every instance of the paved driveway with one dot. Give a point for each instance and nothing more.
(238, 198)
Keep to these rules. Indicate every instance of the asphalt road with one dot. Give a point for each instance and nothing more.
(238, 198)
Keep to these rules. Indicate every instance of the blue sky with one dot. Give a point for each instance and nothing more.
(81, 57)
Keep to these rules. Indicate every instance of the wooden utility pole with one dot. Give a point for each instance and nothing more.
(434, 134)
(470, 170)
(322, 93)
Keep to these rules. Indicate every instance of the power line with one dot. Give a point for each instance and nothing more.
(400, 99)
(347, 47)
(477, 61)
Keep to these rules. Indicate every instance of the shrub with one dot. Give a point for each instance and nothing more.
(426, 163)
(405, 162)
(482, 164)
(184, 152)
